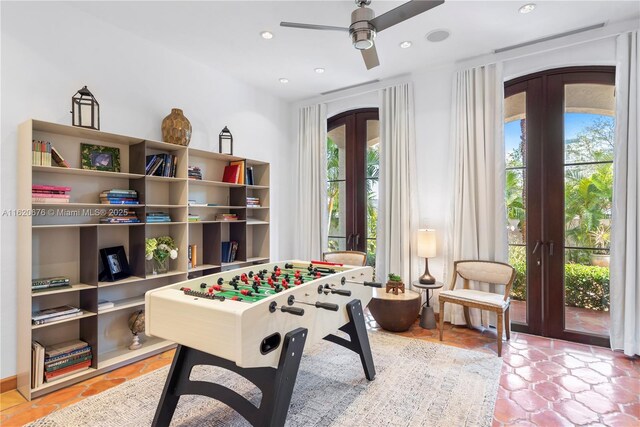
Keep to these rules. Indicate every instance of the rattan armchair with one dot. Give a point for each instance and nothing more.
(346, 257)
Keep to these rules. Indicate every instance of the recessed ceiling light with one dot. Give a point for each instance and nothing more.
(266, 35)
(283, 80)
(405, 44)
(437, 35)
(319, 70)
(527, 8)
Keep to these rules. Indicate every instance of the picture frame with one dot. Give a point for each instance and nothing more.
(115, 264)
(99, 157)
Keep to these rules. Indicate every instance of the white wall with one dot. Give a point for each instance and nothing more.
(50, 50)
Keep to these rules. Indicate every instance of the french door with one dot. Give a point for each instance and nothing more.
(352, 180)
(559, 135)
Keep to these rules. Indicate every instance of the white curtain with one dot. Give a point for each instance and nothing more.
(310, 210)
(397, 188)
(477, 226)
(625, 233)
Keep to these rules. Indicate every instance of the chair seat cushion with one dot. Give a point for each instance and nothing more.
(471, 295)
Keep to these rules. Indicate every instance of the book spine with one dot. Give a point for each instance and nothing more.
(82, 350)
(57, 318)
(66, 363)
(67, 371)
(45, 314)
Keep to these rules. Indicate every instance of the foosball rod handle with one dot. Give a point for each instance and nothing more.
(365, 283)
(292, 310)
(327, 306)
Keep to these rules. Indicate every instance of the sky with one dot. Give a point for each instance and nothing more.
(573, 123)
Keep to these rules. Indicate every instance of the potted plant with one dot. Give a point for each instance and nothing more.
(601, 237)
(157, 252)
(394, 283)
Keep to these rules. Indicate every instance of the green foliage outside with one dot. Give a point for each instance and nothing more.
(333, 197)
(588, 198)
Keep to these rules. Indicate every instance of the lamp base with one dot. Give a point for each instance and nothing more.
(426, 278)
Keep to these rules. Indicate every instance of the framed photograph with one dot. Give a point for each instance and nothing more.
(100, 158)
(115, 265)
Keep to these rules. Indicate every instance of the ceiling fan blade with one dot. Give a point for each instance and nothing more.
(313, 26)
(370, 57)
(403, 12)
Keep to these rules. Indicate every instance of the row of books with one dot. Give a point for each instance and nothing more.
(192, 255)
(119, 196)
(194, 172)
(50, 283)
(54, 314)
(161, 165)
(253, 202)
(229, 251)
(43, 153)
(124, 216)
(58, 361)
(50, 194)
(155, 217)
(193, 217)
(226, 217)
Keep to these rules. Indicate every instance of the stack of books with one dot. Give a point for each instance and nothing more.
(253, 202)
(123, 216)
(104, 304)
(229, 250)
(161, 165)
(195, 172)
(50, 194)
(55, 314)
(193, 217)
(249, 179)
(50, 284)
(117, 196)
(40, 153)
(66, 358)
(37, 364)
(192, 256)
(226, 217)
(154, 217)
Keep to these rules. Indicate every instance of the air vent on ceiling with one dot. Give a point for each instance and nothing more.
(350, 87)
(555, 36)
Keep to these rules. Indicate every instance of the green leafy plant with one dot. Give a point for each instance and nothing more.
(394, 277)
(160, 248)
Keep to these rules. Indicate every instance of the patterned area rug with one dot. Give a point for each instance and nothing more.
(417, 384)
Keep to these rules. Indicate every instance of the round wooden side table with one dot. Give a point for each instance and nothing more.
(427, 316)
(393, 312)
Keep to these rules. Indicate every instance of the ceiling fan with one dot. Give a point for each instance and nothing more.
(365, 25)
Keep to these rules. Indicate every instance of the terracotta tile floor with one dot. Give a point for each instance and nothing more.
(576, 319)
(544, 382)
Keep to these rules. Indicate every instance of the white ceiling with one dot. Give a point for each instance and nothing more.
(226, 35)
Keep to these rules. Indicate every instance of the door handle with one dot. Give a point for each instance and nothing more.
(550, 247)
(535, 248)
(349, 241)
(357, 239)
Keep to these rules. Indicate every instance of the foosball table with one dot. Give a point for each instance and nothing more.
(255, 321)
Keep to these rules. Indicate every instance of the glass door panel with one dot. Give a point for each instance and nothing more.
(372, 169)
(336, 188)
(515, 140)
(588, 187)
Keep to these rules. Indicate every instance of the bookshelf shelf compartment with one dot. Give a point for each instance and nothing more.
(123, 304)
(78, 239)
(86, 172)
(74, 288)
(84, 315)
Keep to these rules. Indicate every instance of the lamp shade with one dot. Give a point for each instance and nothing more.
(426, 243)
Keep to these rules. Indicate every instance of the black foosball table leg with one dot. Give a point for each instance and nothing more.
(276, 384)
(359, 343)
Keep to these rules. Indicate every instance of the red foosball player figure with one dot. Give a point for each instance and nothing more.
(270, 282)
(285, 284)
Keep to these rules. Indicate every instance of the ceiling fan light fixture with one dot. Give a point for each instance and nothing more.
(527, 8)
(363, 39)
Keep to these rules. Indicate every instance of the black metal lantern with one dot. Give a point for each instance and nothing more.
(226, 141)
(85, 110)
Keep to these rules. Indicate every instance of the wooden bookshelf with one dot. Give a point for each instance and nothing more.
(78, 239)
